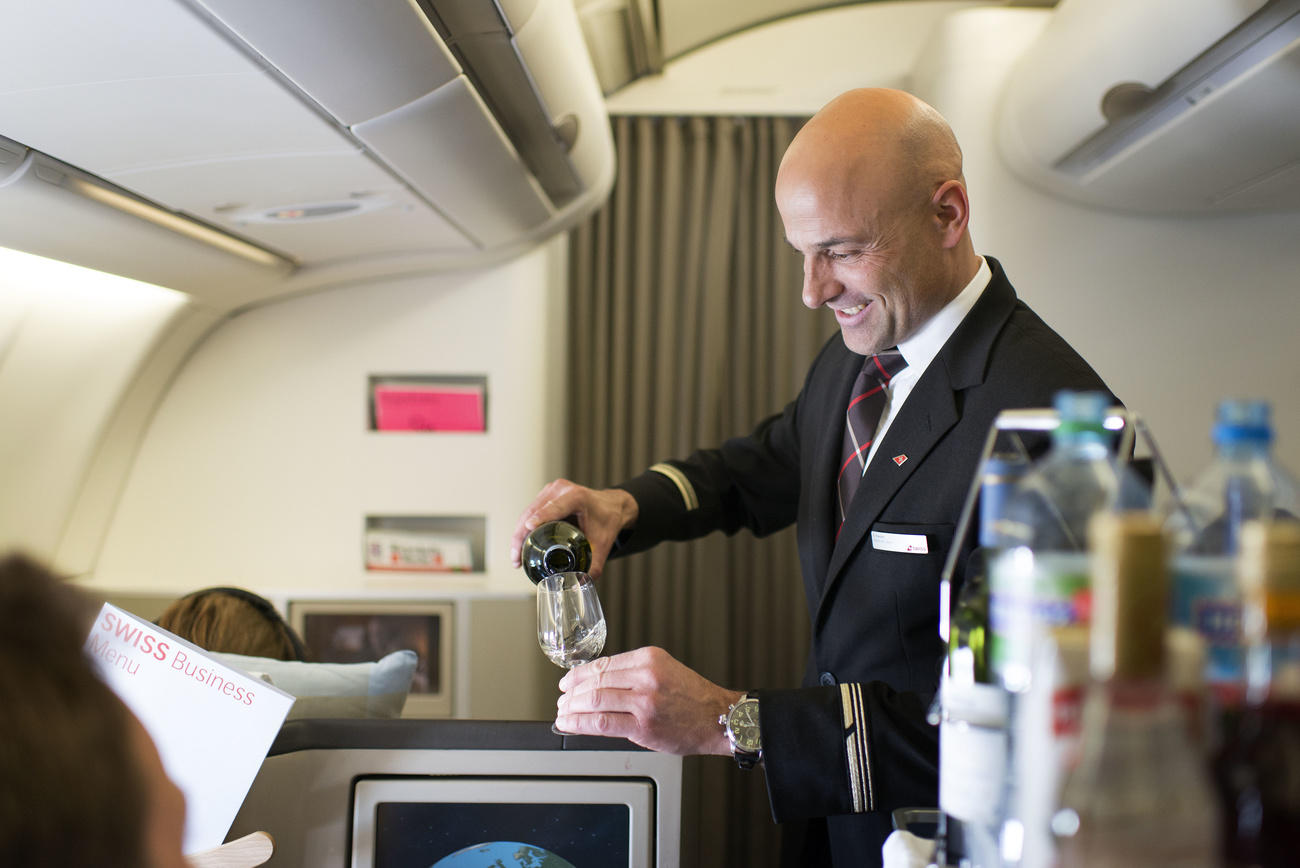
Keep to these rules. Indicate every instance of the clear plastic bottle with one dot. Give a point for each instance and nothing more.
(1039, 579)
(1140, 794)
(1242, 483)
(1039, 609)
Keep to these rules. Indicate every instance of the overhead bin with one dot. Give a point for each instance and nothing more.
(1164, 105)
(356, 60)
(44, 213)
(363, 122)
(474, 170)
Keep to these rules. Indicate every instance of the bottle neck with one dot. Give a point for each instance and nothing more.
(1243, 450)
(1081, 441)
(559, 558)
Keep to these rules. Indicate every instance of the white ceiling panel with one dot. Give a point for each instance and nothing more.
(474, 170)
(67, 43)
(362, 60)
(384, 224)
(128, 92)
(260, 182)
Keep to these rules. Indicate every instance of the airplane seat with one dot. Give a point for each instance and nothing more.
(311, 792)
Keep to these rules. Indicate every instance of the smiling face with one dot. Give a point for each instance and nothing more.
(870, 198)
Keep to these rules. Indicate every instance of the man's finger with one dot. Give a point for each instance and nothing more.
(611, 724)
(625, 671)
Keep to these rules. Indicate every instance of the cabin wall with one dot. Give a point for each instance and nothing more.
(259, 468)
(75, 346)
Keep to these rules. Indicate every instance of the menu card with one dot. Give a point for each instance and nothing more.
(213, 725)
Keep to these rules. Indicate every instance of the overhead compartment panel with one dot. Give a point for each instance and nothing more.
(370, 212)
(190, 97)
(473, 174)
(1163, 106)
(357, 60)
(42, 215)
(550, 43)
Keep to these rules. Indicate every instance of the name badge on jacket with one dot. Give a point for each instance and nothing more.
(908, 543)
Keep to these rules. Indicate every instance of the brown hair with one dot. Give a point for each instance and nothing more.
(232, 621)
(71, 790)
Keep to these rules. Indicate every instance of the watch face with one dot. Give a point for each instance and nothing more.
(743, 724)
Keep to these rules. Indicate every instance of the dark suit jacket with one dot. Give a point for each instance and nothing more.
(852, 744)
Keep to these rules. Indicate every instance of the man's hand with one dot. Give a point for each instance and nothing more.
(646, 697)
(601, 516)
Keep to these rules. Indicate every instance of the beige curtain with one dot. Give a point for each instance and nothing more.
(688, 328)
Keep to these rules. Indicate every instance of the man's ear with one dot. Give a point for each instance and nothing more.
(951, 210)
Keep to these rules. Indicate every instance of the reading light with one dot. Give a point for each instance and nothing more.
(167, 220)
(93, 294)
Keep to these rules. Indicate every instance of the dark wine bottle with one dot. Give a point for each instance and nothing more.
(555, 547)
(1258, 764)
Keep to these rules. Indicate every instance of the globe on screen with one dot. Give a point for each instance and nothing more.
(511, 854)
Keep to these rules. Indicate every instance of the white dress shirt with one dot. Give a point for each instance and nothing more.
(921, 348)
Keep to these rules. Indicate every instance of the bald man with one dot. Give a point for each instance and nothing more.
(872, 195)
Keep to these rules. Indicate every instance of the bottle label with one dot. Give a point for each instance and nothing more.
(972, 752)
(1029, 595)
(1206, 599)
(1281, 611)
(971, 772)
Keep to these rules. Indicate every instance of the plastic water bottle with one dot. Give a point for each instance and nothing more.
(1039, 580)
(1039, 610)
(1241, 483)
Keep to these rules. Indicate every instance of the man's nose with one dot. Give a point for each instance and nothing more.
(819, 286)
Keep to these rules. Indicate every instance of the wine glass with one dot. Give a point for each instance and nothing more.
(570, 621)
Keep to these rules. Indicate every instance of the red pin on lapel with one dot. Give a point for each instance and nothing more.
(899, 459)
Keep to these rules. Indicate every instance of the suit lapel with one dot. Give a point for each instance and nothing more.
(822, 508)
(930, 411)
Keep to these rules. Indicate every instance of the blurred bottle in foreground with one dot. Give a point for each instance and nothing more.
(554, 547)
(972, 726)
(1039, 610)
(1140, 794)
(1039, 580)
(1241, 484)
(1257, 768)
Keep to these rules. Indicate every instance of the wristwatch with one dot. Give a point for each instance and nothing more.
(741, 725)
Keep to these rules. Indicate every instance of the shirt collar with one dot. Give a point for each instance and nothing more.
(921, 348)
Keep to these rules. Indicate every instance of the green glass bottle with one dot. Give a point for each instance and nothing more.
(555, 547)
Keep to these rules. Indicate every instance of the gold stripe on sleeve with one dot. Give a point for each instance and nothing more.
(683, 484)
(855, 747)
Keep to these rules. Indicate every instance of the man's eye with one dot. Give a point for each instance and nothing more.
(838, 256)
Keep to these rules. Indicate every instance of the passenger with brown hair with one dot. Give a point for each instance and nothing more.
(81, 782)
(232, 621)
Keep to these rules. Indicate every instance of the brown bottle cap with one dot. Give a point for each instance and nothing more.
(1129, 596)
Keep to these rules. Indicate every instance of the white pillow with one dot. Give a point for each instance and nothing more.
(336, 689)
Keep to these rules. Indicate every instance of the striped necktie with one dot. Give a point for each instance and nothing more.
(860, 421)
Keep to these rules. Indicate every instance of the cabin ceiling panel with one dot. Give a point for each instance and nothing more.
(796, 65)
(372, 213)
(688, 24)
(220, 109)
(476, 168)
(164, 89)
(173, 120)
(383, 55)
(385, 223)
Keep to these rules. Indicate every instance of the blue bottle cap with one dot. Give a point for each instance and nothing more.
(1243, 421)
